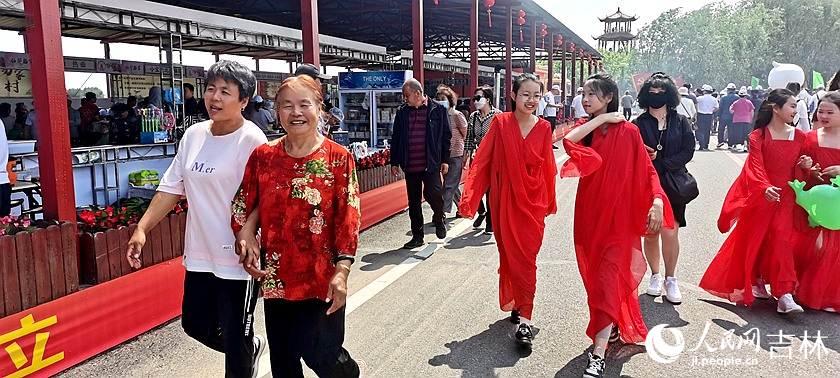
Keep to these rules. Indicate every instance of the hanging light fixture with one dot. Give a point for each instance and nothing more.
(489, 4)
(521, 21)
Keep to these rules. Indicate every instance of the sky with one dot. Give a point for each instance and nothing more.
(580, 16)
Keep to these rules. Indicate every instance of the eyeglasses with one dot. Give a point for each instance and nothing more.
(535, 96)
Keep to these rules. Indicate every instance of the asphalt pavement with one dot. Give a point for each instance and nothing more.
(433, 311)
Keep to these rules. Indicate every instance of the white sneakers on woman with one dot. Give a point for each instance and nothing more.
(655, 285)
(672, 290)
(788, 306)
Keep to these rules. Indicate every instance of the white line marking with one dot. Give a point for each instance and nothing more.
(370, 290)
(735, 159)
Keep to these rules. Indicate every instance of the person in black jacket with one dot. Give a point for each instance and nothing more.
(420, 147)
(125, 127)
(670, 143)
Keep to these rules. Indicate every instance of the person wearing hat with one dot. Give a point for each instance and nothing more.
(578, 111)
(686, 107)
(261, 116)
(310, 70)
(551, 106)
(725, 116)
(706, 107)
(742, 112)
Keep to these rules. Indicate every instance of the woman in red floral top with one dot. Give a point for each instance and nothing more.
(302, 191)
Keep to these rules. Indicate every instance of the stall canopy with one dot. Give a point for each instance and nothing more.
(388, 23)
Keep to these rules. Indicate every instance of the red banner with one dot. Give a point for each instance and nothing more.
(56, 335)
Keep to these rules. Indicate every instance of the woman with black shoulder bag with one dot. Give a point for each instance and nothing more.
(669, 139)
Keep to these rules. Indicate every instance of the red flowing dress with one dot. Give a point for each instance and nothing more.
(618, 184)
(520, 173)
(820, 282)
(766, 234)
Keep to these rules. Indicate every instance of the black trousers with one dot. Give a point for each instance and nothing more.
(738, 133)
(628, 112)
(219, 313)
(5, 199)
(553, 122)
(485, 209)
(302, 330)
(704, 128)
(423, 185)
(724, 126)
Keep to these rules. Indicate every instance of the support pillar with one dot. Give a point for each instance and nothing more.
(533, 62)
(563, 92)
(582, 78)
(575, 84)
(508, 61)
(418, 44)
(473, 48)
(550, 80)
(309, 23)
(43, 37)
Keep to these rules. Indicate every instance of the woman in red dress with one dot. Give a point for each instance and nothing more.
(515, 160)
(619, 200)
(760, 248)
(820, 282)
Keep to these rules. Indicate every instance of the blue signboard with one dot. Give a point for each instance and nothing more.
(373, 80)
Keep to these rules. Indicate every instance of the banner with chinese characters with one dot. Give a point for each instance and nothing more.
(15, 83)
(47, 339)
(139, 85)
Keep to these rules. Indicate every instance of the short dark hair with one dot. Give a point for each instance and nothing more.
(190, 87)
(131, 99)
(794, 87)
(90, 96)
(234, 72)
(486, 91)
(662, 81)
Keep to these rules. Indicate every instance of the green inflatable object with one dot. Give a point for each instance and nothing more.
(822, 203)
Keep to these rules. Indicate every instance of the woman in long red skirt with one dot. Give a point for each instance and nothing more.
(515, 160)
(819, 287)
(761, 247)
(619, 200)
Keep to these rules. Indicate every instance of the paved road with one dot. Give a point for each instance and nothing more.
(434, 312)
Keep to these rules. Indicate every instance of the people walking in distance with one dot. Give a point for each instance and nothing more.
(724, 116)
(452, 179)
(420, 146)
(619, 200)
(627, 105)
(551, 106)
(477, 127)
(742, 115)
(687, 107)
(670, 144)
(219, 295)
(516, 163)
(706, 107)
(762, 206)
(578, 110)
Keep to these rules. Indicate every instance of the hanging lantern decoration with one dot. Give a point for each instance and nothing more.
(601, 65)
(543, 33)
(589, 57)
(560, 41)
(580, 53)
(572, 47)
(436, 2)
(489, 4)
(521, 21)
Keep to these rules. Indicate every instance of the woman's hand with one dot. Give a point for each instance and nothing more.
(614, 117)
(805, 162)
(337, 295)
(135, 247)
(248, 249)
(772, 194)
(654, 219)
(830, 172)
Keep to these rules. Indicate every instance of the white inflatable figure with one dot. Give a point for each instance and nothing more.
(783, 73)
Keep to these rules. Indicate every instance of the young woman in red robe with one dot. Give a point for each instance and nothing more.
(619, 200)
(515, 160)
(761, 247)
(819, 285)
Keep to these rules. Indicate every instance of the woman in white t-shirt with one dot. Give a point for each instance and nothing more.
(209, 166)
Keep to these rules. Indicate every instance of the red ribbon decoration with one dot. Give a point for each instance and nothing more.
(489, 4)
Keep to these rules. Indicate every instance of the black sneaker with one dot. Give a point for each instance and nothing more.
(595, 368)
(440, 230)
(514, 316)
(259, 348)
(414, 243)
(524, 336)
(488, 230)
(479, 220)
(614, 335)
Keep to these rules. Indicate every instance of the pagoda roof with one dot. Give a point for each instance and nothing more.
(616, 36)
(618, 16)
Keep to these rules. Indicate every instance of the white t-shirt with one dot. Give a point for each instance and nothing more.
(4, 157)
(550, 111)
(686, 107)
(577, 104)
(801, 120)
(208, 170)
(706, 104)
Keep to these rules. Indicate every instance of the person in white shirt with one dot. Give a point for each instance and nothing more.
(551, 106)
(5, 186)
(706, 107)
(686, 107)
(578, 111)
(802, 120)
(219, 295)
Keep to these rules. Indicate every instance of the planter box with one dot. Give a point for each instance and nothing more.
(37, 267)
(103, 254)
(373, 178)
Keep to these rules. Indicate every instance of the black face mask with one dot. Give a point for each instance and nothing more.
(657, 100)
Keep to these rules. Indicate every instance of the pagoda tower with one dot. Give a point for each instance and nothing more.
(618, 35)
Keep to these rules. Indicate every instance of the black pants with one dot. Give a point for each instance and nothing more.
(628, 112)
(724, 126)
(553, 122)
(704, 127)
(5, 199)
(423, 185)
(219, 313)
(302, 330)
(738, 133)
(485, 209)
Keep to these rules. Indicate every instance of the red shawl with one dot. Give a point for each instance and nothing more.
(616, 191)
(520, 173)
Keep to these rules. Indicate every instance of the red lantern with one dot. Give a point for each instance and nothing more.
(436, 2)
(489, 4)
(521, 13)
(543, 33)
(559, 39)
(572, 47)
(580, 53)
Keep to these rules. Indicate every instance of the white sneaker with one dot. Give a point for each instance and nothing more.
(672, 290)
(760, 291)
(655, 285)
(829, 309)
(788, 306)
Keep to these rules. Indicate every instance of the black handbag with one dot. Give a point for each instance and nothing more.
(680, 186)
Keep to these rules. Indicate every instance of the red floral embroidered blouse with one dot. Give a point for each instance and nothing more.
(309, 214)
